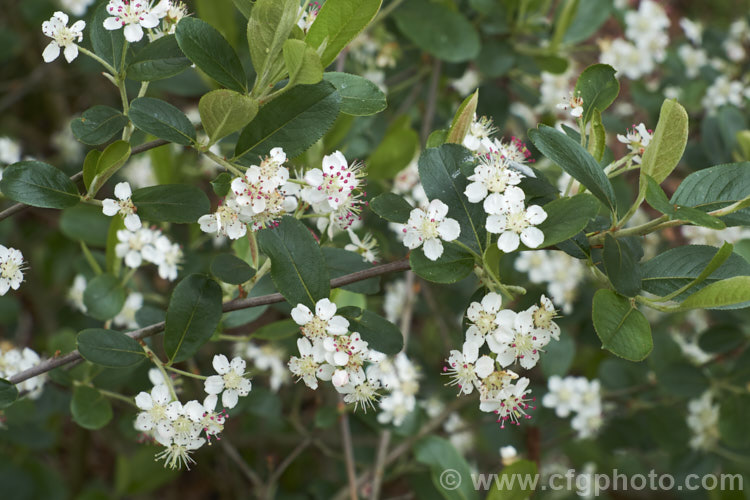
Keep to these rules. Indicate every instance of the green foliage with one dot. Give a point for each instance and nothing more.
(621, 264)
(391, 207)
(621, 327)
(109, 348)
(513, 475)
(302, 64)
(337, 23)
(108, 163)
(98, 124)
(89, 408)
(567, 217)
(225, 111)
(231, 269)
(278, 330)
(289, 246)
(341, 262)
(664, 151)
(359, 96)
(107, 44)
(395, 151)
(379, 333)
(454, 265)
(192, 316)
(160, 59)
(723, 293)
(441, 457)
(268, 27)
(104, 297)
(178, 203)
(8, 393)
(462, 119)
(38, 184)
(85, 223)
(716, 187)
(205, 47)
(598, 88)
(159, 118)
(733, 420)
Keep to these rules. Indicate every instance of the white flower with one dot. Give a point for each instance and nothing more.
(126, 317)
(11, 269)
(321, 324)
(511, 403)
(634, 62)
(562, 396)
(344, 350)
(513, 221)
(363, 393)
(335, 183)
(724, 91)
(154, 408)
(267, 357)
(468, 82)
(479, 130)
(177, 450)
(10, 151)
(133, 245)
(133, 16)
(76, 7)
(75, 293)
(14, 361)
(310, 365)
(574, 103)
(166, 255)
(636, 139)
(62, 37)
(306, 17)
(508, 455)
(465, 369)
(230, 379)
(123, 205)
(225, 221)
(522, 342)
(693, 59)
(429, 227)
(587, 424)
(394, 300)
(395, 407)
(703, 421)
(693, 30)
(492, 175)
(484, 318)
(367, 247)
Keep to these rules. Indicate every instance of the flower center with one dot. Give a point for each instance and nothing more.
(429, 229)
(486, 322)
(232, 380)
(516, 221)
(543, 317)
(315, 329)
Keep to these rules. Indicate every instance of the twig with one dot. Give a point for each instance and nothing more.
(377, 475)
(248, 472)
(346, 441)
(288, 461)
(233, 305)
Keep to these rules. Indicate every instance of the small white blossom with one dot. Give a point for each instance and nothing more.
(133, 16)
(703, 421)
(367, 247)
(126, 317)
(75, 293)
(514, 222)
(429, 228)
(466, 368)
(11, 269)
(10, 151)
(123, 205)
(637, 139)
(225, 221)
(310, 365)
(63, 37)
(230, 381)
(573, 103)
(321, 324)
(14, 361)
(76, 7)
(306, 17)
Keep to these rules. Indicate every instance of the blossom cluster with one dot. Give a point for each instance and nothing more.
(703, 421)
(512, 338)
(183, 428)
(400, 376)
(578, 396)
(152, 246)
(14, 360)
(560, 272)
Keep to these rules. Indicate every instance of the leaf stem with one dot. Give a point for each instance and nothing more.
(98, 59)
(185, 373)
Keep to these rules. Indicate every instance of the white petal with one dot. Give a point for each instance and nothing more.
(449, 229)
(133, 33)
(238, 365)
(302, 314)
(111, 23)
(476, 192)
(325, 309)
(123, 191)
(437, 210)
(484, 366)
(143, 401)
(535, 214)
(433, 248)
(508, 241)
(314, 177)
(229, 398)
(492, 302)
(132, 222)
(110, 207)
(71, 52)
(221, 364)
(338, 325)
(51, 52)
(532, 237)
(160, 394)
(213, 384)
(496, 223)
(493, 204)
(150, 20)
(340, 358)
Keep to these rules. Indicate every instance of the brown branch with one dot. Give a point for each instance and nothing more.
(233, 305)
(19, 207)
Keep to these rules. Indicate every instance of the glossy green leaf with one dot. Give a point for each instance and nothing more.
(728, 292)
(89, 408)
(107, 44)
(622, 266)
(462, 119)
(89, 167)
(435, 28)
(192, 316)
(161, 58)
(277, 330)
(205, 46)
(269, 26)
(112, 159)
(221, 184)
(566, 217)
(621, 327)
(359, 96)
(451, 475)
(598, 88)
(302, 63)
(38, 184)
(341, 262)
(590, 16)
(379, 333)
(104, 297)
(85, 223)
(109, 348)
(161, 119)
(658, 200)
(597, 144)
(244, 6)
(8, 393)
(665, 149)
(338, 23)
(454, 265)
(298, 268)
(180, 203)
(231, 269)
(397, 149)
(716, 187)
(391, 207)
(440, 172)
(98, 124)
(576, 161)
(294, 121)
(225, 111)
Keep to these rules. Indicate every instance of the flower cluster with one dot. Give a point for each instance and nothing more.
(149, 245)
(174, 12)
(562, 273)
(135, 15)
(11, 269)
(511, 338)
(14, 360)
(329, 351)
(578, 396)
(430, 227)
(703, 421)
(400, 376)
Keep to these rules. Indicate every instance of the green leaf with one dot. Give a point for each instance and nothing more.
(338, 23)
(698, 217)
(85, 223)
(622, 266)
(379, 333)
(8, 393)
(435, 28)
(728, 292)
(450, 472)
(567, 217)
(664, 151)
(679, 266)
(107, 44)
(597, 138)
(277, 330)
(397, 149)
(454, 265)
(89, 408)
(294, 121)
(104, 297)
(161, 119)
(590, 16)
(437, 138)
(205, 46)
(716, 187)
(565, 14)
(161, 58)
(109, 348)
(621, 327)
(244, 6)
(302, 63)
(359, 96)
(391, 207)
(192, 316)
(514, 475)
(576, 161)
(225, 111)
(180, 203)
(38, 184)
(231, 269)
(733, 414)
(598, 87)
(462, 119)
(221, 184)
(89, 167)
(440, 172)
(98, 124)
(298, 268)
(341, 262)
(658, 200)
(269, 26)
(109, 162)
